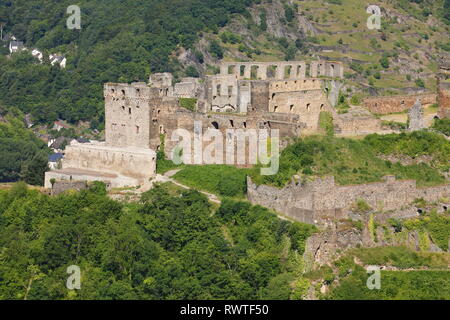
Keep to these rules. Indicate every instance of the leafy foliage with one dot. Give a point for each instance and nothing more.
(188, 103)
(165, 247)
(118, 42)
(429, 283)
(442, 125)
(437, 225)
(23, 156)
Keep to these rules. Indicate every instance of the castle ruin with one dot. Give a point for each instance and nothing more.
(287, 96)
(322, 202)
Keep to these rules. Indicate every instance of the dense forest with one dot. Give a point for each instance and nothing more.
(23, 155)
(170, 245)
(120, 41)
(173, 244)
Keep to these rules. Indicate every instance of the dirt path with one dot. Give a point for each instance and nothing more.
(167, 177)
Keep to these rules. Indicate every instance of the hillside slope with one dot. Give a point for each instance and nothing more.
(395, 59)
(122, 42)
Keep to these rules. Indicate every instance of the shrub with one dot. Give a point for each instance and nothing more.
(420, 83)
(384, 62)
(442, 125)
(355, 100)
(192, 71)
(326, 123)
(216, 50)
(361, 206)
(188, 103)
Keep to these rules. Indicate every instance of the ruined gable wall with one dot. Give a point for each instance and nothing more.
(305, 98)
(164, 118)
(386, 105)
(222, 92)
(188, 88)
(259, 103)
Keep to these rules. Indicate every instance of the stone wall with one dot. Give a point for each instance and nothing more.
(119, 166)
(160, 80)
(62, 186)
(222, 93)
(415, 117)
(305, 98)
(322, 200)
(188, 88)
(386, 105)
(444, 100)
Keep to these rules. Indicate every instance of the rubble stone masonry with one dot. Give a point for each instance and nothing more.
(394, 104)
(322, 200)
(444, 100)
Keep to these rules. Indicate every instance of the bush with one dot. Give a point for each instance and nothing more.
(384, 62)
(355, 100)
(326, 122)
(361, 206)
(442, 125)
(188, 103)
(216, 50)
(420, 83)
(230, 186)
(192, 71)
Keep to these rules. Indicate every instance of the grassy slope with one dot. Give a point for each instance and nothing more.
(414, 39)
(355, 161)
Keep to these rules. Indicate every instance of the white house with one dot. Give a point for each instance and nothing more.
(15, 46)
(37, 54)
(54, 161)
(61, 60)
